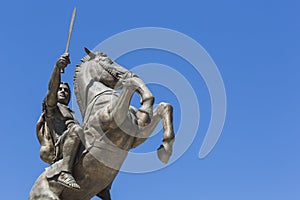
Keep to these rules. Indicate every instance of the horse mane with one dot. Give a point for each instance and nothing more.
(76, 90)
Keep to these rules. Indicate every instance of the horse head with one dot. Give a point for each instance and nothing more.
(97, 73)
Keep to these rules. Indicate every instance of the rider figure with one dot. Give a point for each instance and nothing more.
(60, 126)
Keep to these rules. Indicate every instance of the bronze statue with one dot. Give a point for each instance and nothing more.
(111, 127)
(85, 159)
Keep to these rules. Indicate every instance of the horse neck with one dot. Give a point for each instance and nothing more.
(87, 83)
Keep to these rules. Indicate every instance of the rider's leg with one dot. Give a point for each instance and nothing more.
(70, 149)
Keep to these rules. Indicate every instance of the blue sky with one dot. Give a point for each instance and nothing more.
(256, 47)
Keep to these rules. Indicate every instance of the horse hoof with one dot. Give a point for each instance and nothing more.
(163, 154)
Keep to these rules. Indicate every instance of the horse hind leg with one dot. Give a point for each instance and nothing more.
(104, 194)
(164, 112)
(41, 190)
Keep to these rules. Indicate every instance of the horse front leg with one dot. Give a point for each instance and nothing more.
(119, 109)
(164, 112)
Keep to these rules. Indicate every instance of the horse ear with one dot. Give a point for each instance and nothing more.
(91, 54)
(87, 51)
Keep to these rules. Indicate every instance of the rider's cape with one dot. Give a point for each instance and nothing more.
(47, 150)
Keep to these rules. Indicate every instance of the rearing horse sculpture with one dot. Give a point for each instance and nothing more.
(111, 127)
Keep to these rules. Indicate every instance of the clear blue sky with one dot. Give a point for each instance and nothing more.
(255, 45)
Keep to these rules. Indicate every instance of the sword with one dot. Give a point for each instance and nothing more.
(70, 33)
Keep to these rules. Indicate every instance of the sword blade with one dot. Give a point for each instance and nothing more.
(70, 30)
(69, 35)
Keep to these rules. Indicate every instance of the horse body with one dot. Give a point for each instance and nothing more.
(111, 127)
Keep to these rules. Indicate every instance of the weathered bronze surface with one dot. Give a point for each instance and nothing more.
(84, 159)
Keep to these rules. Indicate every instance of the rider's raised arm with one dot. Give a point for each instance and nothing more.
(55, 79)
(53, 86)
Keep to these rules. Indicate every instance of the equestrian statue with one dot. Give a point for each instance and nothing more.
(85, 158)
